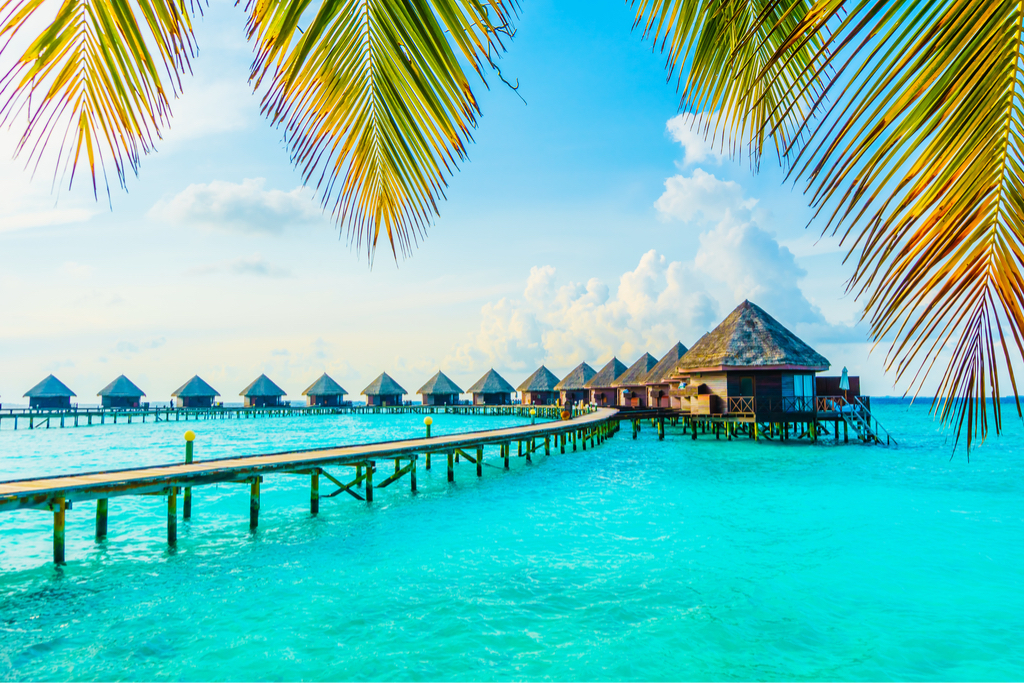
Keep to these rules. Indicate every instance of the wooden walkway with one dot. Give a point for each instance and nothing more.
(58, 494)
(87, 417)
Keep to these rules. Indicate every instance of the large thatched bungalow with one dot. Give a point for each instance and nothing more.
(572, 389)
(492, 390)
(539, 388)
(659, 380)
(262, 393)
(195, 393)
(121, 393)
(599, 389)
(631, 385)
(51, 394)
(384, 391)
(325, 392)
(439, 390)
(751, 366)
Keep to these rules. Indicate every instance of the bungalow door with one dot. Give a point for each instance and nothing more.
(745, 404)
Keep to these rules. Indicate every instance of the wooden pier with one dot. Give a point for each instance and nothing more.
(87, 417)
(359, 464)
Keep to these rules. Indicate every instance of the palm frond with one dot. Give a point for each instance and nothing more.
(738, 66)
(94, 79)
(375, 105)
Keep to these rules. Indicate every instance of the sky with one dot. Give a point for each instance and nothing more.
(590, 220)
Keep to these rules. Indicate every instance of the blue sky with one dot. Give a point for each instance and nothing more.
(588, 222)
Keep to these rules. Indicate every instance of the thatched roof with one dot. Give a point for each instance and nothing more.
(606, 375)
(541, 380)
(579, 376)
(491, 383)
(262, 386)
(51, 387)
(661, 372)
(635, 375)
(325, 386)
(122, 387)
(750, 338)
(439, 385)
(193, 388)
(383, 386)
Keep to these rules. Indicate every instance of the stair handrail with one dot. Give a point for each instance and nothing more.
(878, 424)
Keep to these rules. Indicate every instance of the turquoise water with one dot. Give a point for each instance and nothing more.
(636, 560)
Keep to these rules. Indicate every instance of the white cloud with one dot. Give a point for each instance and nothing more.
(701, 195)
(243, 207)
(254, 265)
(701, 136)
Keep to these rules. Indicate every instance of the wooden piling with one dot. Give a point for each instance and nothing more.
(186, 512)
(59, 508)
(506, 450)
(254, 503)
(479, 461)
(172, 515)
(451, 467)
(369, 482)
(412, 474)
(101, 518)
(314, 492)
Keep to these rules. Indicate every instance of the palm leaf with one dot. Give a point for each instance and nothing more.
(373, 100)
(911, 150)
(92, 79)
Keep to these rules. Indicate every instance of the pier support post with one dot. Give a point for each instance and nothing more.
(451, 467)
(635, 425)
(314, 492)
(428, 461)
(506, 449)
(661, 429)
(412, 473)
(254, 503)
(479, 461)
(370, 467)
(547, 444)
(59, 508)
(101, 518)
(172, 516)
(186, 512)
(562, 442)
(693, 430)
(846, 432)
(583, 438)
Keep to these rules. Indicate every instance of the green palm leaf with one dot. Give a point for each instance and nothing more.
(375, 105)
(911, 151)
(91, 78)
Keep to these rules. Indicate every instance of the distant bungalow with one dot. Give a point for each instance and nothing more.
(750, 365)
(571, 390)
(50, 393)
(539, 388)
(384, 391)
(439, 390)
(631, 385)
(262, 393)
(121, 393)
(325, 392)
(492, 390)
(659, 379)
(195, 393)
(599, 389)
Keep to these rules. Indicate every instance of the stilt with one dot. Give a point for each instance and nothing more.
(583, 439)
(661, 429)
(59, 508)
(186, 512)
(101, 518)
(846, 432)
(370, 466)
(314, 492)
(172, 516)
(506, 449)
(479, 461)
(254, 503)
(547, 444)
(451, 467)
(428, 461)
(412, 473)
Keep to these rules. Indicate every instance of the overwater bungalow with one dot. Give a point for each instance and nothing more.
(599, 388)
(631, 385)
(659, 380)
(571, 390)
(492, 390)
(195, 393)
(440, 390)
(51, 394)
(752, 367)
(384, 391)
(262, 393)
(121, 393)
(539, 388)
(325, 392)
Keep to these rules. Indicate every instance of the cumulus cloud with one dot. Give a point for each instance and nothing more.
(701, 136)
(246, 207)
(701, 195)
(254, 265)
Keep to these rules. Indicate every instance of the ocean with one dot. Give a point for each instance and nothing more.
(679, 559)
